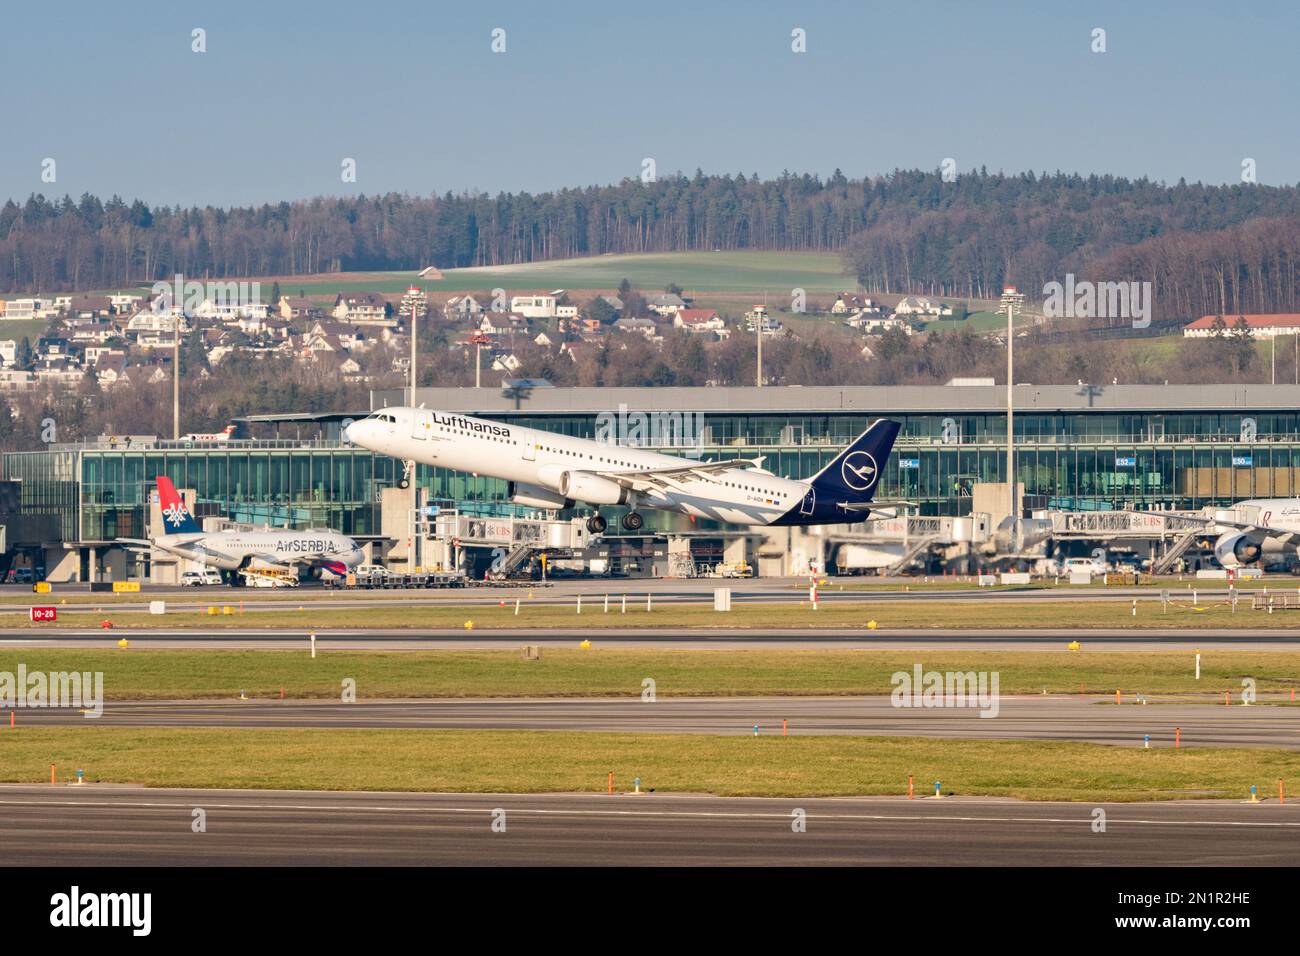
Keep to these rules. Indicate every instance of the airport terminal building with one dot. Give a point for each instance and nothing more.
(1079, 448)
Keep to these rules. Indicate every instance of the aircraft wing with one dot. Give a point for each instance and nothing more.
(1247, 527)
(1286, 537)
(139, 545)
(311, 560)
(876, 504)
(136, 545)
(657, 479)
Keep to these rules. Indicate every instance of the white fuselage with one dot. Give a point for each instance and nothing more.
(565, 466)
(1275, 514)
(231, 550)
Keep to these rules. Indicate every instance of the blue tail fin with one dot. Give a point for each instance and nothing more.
(854, 473)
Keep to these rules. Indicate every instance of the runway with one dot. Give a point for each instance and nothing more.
(125, 826)
(688, 591)
(1021, 639)
(1092, 719)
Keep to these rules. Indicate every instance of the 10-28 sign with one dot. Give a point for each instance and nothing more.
(44, 614)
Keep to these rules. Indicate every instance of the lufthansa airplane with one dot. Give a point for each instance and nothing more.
(547, 470)
(237, 550)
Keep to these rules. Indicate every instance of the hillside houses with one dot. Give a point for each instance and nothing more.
(848, 304)
(363, 308)
(700, 321)
(920, 306)
(116, 339)
(299, 309)
(461, 307)
(665, 303)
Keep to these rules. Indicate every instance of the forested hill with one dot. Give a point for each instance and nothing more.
(906, 232)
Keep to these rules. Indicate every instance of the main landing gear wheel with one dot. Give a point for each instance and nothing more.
(596, 524)
(632, 521)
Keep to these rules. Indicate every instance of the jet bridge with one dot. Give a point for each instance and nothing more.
(894, 543)
(1173, 533)
(498, 546)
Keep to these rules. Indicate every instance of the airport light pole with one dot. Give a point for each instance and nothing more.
(478, 340)
(414, 307)
(1011, 299)
(176, 377)
(415, 491)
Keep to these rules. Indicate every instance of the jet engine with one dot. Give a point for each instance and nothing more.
(1235, 550)
(535, 497)
(593, 489)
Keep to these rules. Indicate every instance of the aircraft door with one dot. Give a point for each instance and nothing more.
(809, 503)
(530, 451)
(421, 423)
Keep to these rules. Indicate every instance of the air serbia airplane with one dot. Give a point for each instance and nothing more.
(547, 470)
(236, 550)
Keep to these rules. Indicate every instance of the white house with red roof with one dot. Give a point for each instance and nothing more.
(1264, 326)
(699, 320)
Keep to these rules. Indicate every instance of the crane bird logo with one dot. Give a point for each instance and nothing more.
(859, 471)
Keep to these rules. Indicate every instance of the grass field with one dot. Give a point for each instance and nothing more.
(17, 330)
(527, 761)
(1004, 615)
(144, 673)
(743, 271)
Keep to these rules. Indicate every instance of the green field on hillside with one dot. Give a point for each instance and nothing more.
(695, 272)
(17, 330)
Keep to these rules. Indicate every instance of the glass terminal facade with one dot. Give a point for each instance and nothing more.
(1072, 460)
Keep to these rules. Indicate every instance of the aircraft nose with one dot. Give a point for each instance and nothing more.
(352, 434)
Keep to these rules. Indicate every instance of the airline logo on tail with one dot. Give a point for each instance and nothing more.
(858, 470)
(176, 517)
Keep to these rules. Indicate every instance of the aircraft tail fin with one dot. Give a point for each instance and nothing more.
(176, 517)
(854, 473)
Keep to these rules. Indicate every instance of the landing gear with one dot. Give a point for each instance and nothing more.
(597, 524)
(408, 471)
(632, 521)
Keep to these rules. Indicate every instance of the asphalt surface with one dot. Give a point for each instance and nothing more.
(690, 591)
(99, 825)
(1093, 719)
(1272, 639)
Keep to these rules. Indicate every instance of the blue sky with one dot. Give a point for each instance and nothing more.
(586, 90)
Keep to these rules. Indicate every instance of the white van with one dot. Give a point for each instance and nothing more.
(1083, 566)
(208, 576)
